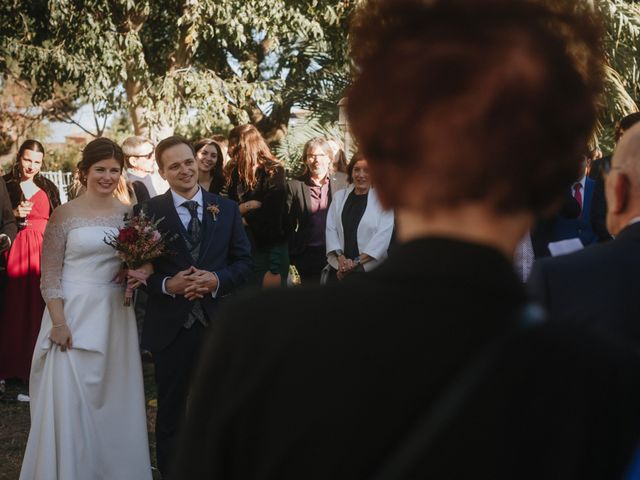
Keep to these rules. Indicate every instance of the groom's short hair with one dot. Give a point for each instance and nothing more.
(171, 142)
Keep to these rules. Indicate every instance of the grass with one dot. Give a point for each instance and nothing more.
(14, 425)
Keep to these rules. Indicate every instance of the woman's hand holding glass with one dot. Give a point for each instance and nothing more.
(22, 210)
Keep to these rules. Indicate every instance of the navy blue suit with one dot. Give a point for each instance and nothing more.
(224, 250)
(595, 288)
(579, 227)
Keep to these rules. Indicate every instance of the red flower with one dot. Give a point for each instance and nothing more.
(127, 235)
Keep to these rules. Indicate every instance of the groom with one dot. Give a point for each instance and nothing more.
(210, 258)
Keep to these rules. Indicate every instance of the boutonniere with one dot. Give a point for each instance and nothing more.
(214, 210)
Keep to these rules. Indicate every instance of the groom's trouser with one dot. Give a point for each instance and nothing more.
(173, 368)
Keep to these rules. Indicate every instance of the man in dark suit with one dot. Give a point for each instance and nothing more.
(211, 258)
(579, 227)
(471, 115)
(597, 288)
(546, 231)
(8, 228)
(308, 200)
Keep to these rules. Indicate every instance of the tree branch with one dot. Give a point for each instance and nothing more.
(66, 118)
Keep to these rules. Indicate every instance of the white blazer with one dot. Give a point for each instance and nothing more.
(374, 231)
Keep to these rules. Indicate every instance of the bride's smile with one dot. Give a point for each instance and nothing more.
(103, 176)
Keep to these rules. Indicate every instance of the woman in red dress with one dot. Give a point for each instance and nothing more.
(33, 198)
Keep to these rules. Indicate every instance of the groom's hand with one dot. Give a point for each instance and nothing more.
(202, 282)
(177, 284)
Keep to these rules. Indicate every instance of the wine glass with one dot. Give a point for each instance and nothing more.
(23, 221)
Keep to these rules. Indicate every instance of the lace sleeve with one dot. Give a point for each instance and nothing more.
(53, 248)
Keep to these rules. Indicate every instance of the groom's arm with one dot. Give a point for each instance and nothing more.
(240, 262)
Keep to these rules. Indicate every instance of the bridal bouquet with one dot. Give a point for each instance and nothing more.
(137, 242)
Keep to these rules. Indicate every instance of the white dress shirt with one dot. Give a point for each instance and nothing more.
(183, 212)
(633, 220)
(185, 218)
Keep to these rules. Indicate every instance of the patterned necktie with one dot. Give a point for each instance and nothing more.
(524, 257)
(197, 313)
(194, 224)
(578, 194)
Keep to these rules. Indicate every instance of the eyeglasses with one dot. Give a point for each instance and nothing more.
(319, 155)
(147, 155)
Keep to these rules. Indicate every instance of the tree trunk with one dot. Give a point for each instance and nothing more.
(275, 126)
(136, 111)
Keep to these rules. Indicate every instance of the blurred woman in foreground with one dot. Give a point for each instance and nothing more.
(472, 115)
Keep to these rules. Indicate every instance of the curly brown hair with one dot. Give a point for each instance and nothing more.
(482, 100)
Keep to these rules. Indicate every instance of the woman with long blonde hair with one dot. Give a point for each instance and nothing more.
(257, 182)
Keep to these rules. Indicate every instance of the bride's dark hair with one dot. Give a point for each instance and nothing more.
(96, 151)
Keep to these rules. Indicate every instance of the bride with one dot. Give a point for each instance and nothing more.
(88, 417)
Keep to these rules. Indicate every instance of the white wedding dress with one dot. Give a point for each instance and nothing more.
(88, 419)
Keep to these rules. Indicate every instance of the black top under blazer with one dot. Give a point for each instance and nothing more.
(325, 382)
(596, 288)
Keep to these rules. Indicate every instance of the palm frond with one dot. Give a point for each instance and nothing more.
(289, 149)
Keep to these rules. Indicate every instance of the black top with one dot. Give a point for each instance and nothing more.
(324, 383)
(352, 213)
(267, 224)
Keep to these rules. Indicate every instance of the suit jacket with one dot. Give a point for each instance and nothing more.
(374, 230)
(596, 288)
(544, 231)
(581, 226)
(224, 250)
(599, 211)
(7, 224)
(330, 385)
(299, 208)
(7, 220)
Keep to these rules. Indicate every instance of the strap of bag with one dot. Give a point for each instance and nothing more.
(433, 422)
